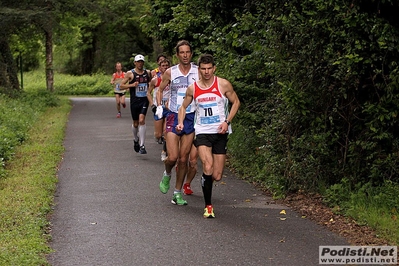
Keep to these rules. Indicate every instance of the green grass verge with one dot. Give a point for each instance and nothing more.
(376, 207)
(26, 193)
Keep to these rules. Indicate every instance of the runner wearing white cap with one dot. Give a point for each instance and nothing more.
(137, 81)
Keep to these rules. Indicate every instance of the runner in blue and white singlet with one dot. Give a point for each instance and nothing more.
(178, 87)
(179, 144)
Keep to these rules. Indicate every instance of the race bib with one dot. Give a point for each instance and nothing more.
(117, 83)
(209, 113)
(180, 99)
(141, 90)
(164, 101)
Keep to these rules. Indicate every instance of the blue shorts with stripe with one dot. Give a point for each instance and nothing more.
(172, 121)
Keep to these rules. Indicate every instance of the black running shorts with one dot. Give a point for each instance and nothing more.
(218, 142)
(138, 107)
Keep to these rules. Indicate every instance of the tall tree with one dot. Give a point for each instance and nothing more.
(15, 16)
(8, 69)
(10, 20)
(97, 34)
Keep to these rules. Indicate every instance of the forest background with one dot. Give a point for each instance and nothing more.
(318, 81)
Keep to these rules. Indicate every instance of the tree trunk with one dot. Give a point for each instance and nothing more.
(8, 68)
(49, 60)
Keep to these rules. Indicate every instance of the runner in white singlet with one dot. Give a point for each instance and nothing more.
(179, 144)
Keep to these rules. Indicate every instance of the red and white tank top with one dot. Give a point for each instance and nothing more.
(212, 108)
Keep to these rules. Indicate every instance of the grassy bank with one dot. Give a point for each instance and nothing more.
(26, 191)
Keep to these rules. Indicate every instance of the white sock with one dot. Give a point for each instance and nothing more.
(142, 129)
(168, 174)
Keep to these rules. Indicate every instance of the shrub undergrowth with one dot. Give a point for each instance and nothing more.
(28, 179)
(17, 117)
(95, 84)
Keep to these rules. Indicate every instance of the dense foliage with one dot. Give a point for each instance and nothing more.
(93, 36)
(319, 83)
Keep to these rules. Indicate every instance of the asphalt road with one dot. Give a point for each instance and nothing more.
(109, 210)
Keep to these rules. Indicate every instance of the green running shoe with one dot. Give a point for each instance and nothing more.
(178, 199)
(164, 185)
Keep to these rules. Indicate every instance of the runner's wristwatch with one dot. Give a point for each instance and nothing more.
(227, 122)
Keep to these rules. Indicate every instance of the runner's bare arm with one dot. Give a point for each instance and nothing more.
(182, 110)
(165, 81)
(112, 79)
(150, 90)
(128, 77)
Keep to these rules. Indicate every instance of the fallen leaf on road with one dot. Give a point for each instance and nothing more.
(283, 212)
(283, 218)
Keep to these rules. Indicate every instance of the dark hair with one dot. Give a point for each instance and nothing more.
(206, 59)
(159, 56)
(165, 61)
(181, 43)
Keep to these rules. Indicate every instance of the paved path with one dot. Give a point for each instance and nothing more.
(109, 210)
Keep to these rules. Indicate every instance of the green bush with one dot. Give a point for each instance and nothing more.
(97, 84)
(17, 115)
(322, 79)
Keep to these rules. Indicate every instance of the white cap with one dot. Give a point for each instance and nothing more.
(139, 57)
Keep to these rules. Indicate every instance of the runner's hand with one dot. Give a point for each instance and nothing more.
(154, 108)
(179, 128)
(159, 111)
